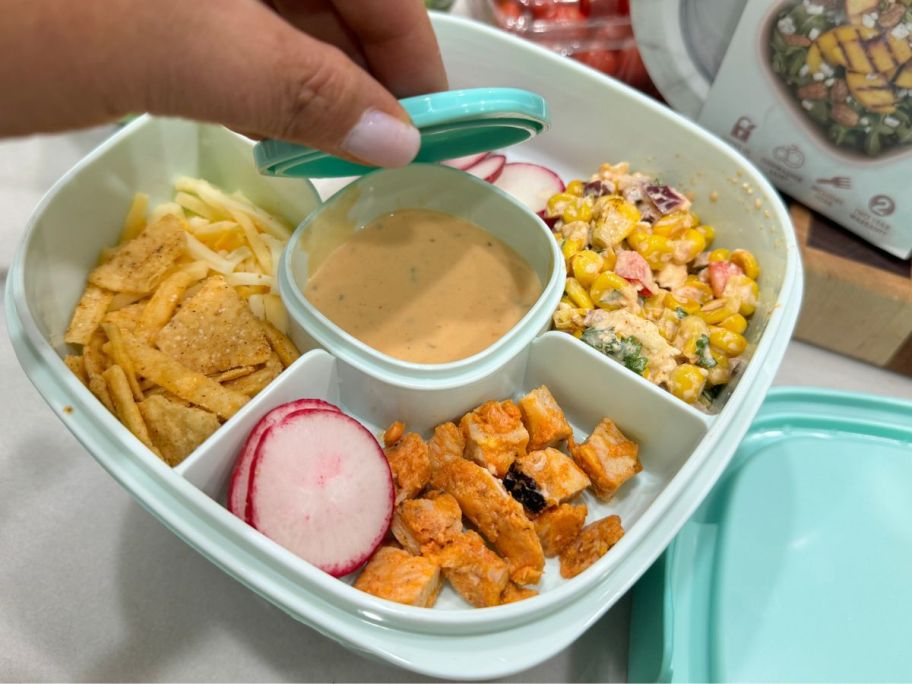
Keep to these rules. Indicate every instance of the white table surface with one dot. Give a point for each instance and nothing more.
(93, 588)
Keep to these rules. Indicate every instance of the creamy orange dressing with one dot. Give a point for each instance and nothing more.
(423, 286)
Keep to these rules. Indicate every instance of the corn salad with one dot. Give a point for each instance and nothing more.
(645, 285)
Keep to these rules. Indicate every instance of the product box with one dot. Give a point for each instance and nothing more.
(857, 299)
(818, 93)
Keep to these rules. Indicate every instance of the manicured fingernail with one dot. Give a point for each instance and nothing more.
(382, 140)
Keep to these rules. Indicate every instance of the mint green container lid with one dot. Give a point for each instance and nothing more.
(798, 566)
(453, 124)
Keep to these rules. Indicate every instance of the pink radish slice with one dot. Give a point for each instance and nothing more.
(240, 476)
(462, 163)
(489, 168)
(531, 184)
(321, 487)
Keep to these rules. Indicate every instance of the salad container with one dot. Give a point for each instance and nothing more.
(683, 450)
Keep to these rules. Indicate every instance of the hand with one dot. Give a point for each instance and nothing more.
(324, 73)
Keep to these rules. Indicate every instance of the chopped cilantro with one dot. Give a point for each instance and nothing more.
(704, 357)
(626, 350)
(680, 313)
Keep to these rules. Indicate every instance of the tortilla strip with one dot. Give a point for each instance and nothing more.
(280, 344)
(87, 317)
(140, 264)
(183, 382)
(125, 408)
(255, 382)
(121, 358)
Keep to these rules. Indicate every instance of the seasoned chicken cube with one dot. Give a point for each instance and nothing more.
(543, 419)
(411, 465)
(433, 518)
(497, 515)
(553, 475)
(397, 575)
(495, 435)
(514, 593)
(558, 526)
(608, 457)
(474, 570)
(447, 444)
(590, 545)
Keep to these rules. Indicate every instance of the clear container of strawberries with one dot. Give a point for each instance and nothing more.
(595, 32)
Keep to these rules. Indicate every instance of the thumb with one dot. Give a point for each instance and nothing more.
(239, 64)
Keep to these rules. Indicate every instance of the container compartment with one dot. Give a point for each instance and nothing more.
(588, 389)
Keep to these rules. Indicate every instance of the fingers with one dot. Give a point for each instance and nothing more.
(240, 64)
(398, 42)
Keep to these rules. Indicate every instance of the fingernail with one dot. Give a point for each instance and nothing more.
(382, 140)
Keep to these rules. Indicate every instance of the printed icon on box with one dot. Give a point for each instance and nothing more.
(789, 155)
(882, 205)
(743, 128)
(838, 182)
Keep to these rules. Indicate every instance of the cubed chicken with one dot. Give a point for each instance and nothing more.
(514, 593)
(590, 545)
(543, 419)
(608, 457)
(411, 466)
(447, 444)
(433, 518)
(495, 435)
(554, 476)
(397, 575)
(475, 571)
(557, 527)
(496, 515)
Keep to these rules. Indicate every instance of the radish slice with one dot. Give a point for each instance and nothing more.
(240, 476)
(531, 184)
(321, 487)
(463, 163)
(489, 168)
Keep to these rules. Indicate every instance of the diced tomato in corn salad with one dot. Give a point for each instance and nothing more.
(645, 285)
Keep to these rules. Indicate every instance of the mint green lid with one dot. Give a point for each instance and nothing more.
(453, 124)
(797, 566)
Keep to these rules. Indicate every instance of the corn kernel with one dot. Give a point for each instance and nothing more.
(609, 260)
(708, 232)
(586, 265)
(689, 246)
(577, 211)
(745, 291)
(695, 290)
(688, 306)
(570, 247)
(673, 224)
(607, 291)
(575, 187)
(577, 294)
(718, 310)
(719, 374)
(557, 203)
(736, 323)
(654, 306)
(747, 262)
(615, 219)
(720, 254)
(731, 343)
(686, 382)
(690, 331)
(636, 236)
(577, 333)
(566, 300)
(656, 250)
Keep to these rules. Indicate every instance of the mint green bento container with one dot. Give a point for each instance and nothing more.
(796, 567)
(594, 120)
